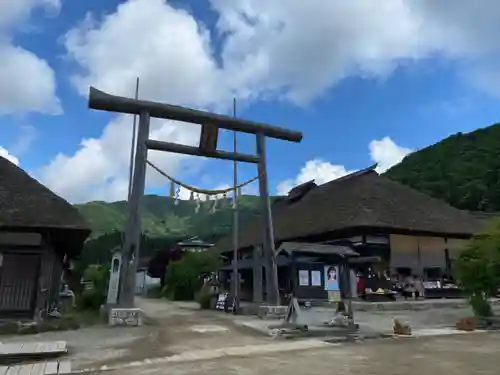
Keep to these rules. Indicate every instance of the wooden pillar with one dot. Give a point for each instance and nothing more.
(131, 242)
(272, 288)
(257, 274)
(43, 292)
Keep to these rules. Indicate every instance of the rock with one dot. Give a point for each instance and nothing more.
(400, 328)
(29, 328)
(466, 324)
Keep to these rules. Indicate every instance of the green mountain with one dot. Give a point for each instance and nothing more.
(162, 217)
(163, 223)
(463, 170)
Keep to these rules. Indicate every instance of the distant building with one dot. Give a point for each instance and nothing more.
(194, 244)
(39, 234)
(411, 232)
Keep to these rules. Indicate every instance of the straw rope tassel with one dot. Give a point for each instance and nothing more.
(214, 205)
(172, 189)
(176, 198)
(198, 204)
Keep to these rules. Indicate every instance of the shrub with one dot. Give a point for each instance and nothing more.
(92, 299)
(478, 269)
(154, 292)
(204, 297)
(185, 276)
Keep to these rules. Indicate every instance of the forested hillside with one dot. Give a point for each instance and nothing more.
(463, 170)
(163, 223)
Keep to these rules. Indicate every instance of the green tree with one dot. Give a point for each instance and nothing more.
(184, 277)
(93, 298)
(463, 170)
(478, 268)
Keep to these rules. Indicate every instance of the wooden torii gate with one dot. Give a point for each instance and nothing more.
(211, 123)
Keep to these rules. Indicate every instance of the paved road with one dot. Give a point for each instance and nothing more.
(475, 353)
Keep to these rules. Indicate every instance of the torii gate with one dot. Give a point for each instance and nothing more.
(211, 123)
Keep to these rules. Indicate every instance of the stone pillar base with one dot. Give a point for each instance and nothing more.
(133, 317)
(272, 312)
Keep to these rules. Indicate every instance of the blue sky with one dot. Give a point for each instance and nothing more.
(362, 87)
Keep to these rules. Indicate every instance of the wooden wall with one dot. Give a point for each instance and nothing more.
(419, 252)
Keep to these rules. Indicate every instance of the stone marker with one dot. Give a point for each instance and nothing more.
(126, 317)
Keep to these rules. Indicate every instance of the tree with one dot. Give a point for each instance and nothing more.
(158, 264)
(184, 277)
(93, 298)
(478, 268)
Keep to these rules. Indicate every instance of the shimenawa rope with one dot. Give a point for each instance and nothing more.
(198, 190)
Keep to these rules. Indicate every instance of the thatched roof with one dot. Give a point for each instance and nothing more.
(26, 203)
(362, 199)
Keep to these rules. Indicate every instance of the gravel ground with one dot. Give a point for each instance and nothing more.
(182, 327)
(474, 353)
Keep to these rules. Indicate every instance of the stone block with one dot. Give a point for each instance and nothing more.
(401, 328)
(133, 317)
(466, 324)
(272, 312)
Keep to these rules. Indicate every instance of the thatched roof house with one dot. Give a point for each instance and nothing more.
(352, 204)
(38, 229)
(26, 203)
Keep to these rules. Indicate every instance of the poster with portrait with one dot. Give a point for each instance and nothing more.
(332, 278)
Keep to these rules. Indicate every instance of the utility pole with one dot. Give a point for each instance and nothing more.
(132, 146)
(126, 296)
(236, 275)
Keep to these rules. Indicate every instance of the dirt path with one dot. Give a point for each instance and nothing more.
(178, 327)
(474, 353)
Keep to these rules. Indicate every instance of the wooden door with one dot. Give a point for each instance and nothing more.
(18, 284)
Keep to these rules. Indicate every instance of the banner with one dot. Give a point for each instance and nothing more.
(331, 278)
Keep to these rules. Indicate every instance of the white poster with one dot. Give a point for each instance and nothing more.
(316, 278)
(304, 278)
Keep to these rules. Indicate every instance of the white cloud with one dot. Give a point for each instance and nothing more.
(384, 152)
(27, 82)
(166, 47)
(292, 49)
(317, 169)
(5, 154)
(99, 170)
(171, 54)
(301, 48)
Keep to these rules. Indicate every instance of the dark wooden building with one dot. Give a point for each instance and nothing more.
(411, 232)
(38, 232)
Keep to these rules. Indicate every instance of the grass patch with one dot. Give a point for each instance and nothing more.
(71, 321)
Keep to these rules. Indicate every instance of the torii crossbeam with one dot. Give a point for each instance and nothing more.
(211, 123)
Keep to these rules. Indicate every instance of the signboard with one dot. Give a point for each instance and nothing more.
(316, 278)
(114, 279)
(331, 278)
(304, 278)
(223, 303)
